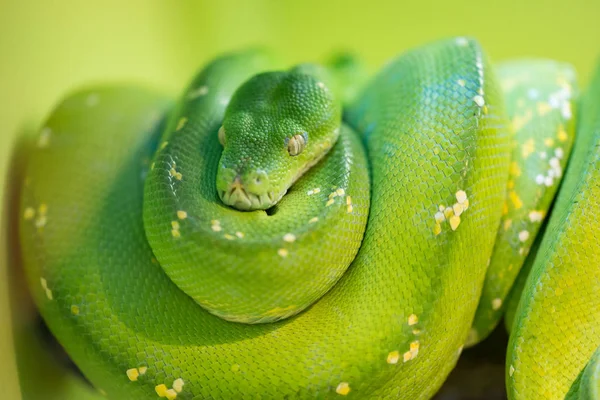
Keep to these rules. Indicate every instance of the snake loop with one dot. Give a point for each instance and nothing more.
(247, 241)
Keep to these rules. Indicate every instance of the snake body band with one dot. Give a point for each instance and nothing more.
(308, 232)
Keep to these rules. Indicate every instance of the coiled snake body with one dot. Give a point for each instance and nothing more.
(157, 286)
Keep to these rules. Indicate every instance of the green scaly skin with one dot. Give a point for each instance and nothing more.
(265, 114)
(540, 96)
(589, 386)
(512, 300)
(137, 265)
(556, 327)
(262, 267)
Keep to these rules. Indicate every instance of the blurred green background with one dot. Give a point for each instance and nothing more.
(49, 47)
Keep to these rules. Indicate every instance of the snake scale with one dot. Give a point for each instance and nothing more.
(310, 233)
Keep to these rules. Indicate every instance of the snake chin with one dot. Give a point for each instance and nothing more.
(244, 200)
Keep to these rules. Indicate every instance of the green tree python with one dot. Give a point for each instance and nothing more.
(306, 232)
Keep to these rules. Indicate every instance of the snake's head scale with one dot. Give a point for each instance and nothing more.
(277, 126)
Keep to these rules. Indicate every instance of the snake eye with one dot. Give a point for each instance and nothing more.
(222, 136)
(296, 144)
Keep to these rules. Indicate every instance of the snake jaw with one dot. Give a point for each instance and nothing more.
(248, 191)
(239, 197)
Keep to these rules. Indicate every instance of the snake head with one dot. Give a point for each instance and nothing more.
(277, 125)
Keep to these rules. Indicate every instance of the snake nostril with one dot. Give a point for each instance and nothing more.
(260, 177)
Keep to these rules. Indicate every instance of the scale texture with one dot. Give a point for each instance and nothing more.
(540, 97)
(557, 322)
(123, 236)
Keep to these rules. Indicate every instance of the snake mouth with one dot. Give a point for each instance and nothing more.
(238, 197)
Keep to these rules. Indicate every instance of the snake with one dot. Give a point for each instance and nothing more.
(311, 232)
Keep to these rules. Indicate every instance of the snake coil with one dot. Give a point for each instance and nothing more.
(362, 281)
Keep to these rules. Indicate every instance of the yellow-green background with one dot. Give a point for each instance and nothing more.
(47, 47)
